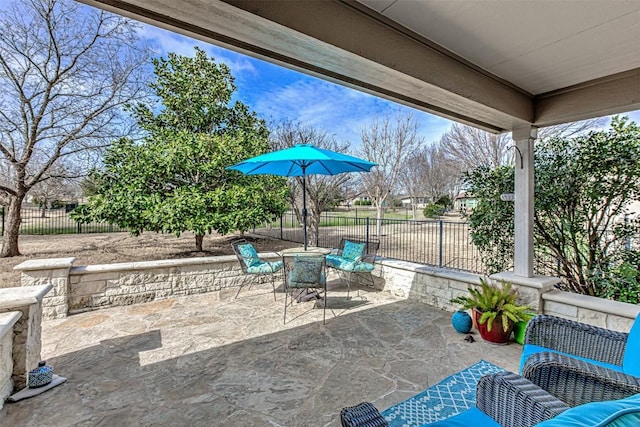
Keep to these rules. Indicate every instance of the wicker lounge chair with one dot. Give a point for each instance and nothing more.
(506, 399)
(580, 363)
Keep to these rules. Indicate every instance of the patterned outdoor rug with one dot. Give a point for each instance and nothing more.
(449, 397)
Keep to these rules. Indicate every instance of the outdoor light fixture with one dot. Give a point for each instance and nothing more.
(520, 154)
(508, 197)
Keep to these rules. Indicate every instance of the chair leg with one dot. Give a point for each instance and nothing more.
(286, 293)
(324, 305)
(273, 285)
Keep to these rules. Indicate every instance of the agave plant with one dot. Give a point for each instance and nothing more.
(494, 301)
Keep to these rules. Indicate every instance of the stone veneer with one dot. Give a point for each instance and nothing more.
(7, 321)
(81, 288)
(437, 286)
(27, 329)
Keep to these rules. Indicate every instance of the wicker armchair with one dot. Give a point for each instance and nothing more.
(503, 399)
(579, 363)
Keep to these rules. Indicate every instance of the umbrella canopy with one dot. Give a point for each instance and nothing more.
(302, 160)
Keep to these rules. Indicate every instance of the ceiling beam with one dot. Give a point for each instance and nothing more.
(613, 94)
(336, 41)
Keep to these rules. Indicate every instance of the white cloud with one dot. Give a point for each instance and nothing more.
(337, 109)
(165, 42)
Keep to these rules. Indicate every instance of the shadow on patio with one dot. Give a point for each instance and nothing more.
(211, 360)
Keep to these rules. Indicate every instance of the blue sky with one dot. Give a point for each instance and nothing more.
(278, 93)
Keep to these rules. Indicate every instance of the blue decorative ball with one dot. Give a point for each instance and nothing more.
(461, 322)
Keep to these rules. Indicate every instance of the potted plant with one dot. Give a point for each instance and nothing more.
(494, 306)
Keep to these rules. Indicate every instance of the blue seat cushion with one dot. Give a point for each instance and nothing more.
(612, 413)
(469, 418)
(264, 267)
(334, 260)
(631, 358)
(530, 349)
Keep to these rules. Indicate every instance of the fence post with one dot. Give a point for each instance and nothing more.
(79, 228)
(367, 232)
(281, 227)
(2, 234)
(440, 249)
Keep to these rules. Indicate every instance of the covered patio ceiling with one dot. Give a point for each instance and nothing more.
(496, 65)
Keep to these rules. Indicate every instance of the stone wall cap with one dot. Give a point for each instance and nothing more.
(165, 263)
(617, 308)
(461, 276)
(45, 264)
(537, 282)
(7, 320)
(22, 296)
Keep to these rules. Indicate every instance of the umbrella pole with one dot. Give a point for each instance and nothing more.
(304, 208)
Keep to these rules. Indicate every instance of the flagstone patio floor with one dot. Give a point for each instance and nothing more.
(212, 360)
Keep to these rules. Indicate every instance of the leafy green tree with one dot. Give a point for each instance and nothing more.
(584, 187)
(492, 220)
(174, 179)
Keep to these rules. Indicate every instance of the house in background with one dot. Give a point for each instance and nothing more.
(408, 201)
(464, 202)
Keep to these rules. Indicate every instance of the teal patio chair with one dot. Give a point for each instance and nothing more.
(354, 257)
(252, 265)
(305, 273)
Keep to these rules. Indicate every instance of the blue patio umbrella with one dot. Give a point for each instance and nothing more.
(302, 160)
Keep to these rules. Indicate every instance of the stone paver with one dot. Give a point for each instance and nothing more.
(210, 360)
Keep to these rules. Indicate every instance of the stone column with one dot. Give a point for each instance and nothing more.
(27, 330)
(54, 272)
(7, 322)
(524, 195)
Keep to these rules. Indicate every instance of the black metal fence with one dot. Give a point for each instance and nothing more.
(54, 221)
(439, 243)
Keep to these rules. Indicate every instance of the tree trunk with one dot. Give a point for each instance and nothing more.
(12, 228)
(43, 212)
(199, 238)
(379, 216)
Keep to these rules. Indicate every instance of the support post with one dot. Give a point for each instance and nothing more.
(524, 196)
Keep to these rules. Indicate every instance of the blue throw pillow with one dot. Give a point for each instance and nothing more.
(306, 270)
(352, 251)
(631, 359)
(249, 255)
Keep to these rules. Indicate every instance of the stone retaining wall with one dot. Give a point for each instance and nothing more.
(437, 286)
(82, 288)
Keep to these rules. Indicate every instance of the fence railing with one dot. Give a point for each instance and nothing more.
(54, 221)
(439, 243)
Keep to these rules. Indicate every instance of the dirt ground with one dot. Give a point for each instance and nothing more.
(104, 248)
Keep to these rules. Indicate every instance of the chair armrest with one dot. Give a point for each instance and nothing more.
(577, 338)
(362, 415)
(514, 401)
(576, 382)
